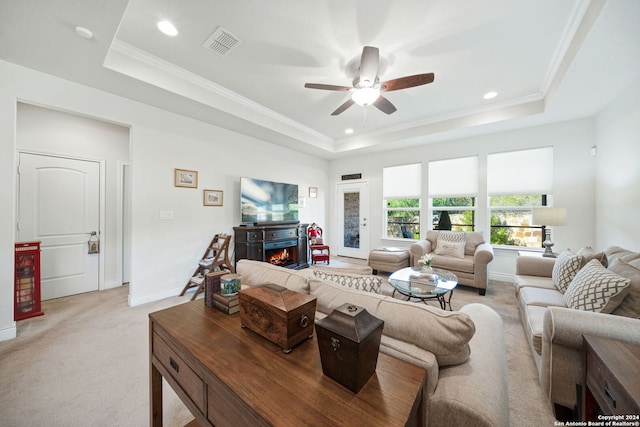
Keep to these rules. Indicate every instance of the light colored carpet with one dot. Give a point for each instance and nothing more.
(86, 363)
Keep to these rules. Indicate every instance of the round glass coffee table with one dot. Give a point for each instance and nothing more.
(414, 283)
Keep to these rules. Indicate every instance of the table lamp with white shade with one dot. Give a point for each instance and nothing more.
(549, 217)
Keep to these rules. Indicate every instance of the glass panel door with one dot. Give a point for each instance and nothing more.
(353, 234)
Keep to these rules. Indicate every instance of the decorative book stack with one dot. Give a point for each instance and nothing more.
(226, 303)
(214, 298)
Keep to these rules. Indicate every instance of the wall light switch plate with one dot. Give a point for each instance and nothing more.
(166, 214)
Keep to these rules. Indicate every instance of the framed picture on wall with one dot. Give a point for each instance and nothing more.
(213, 197)
(313, 192)
(302, 202)
(185, 178)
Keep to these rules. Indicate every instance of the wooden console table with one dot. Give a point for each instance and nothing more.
(230, 376)
(611, 379)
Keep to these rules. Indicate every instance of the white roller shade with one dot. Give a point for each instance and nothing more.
(520, 172)
(453, 177)
(402, 182)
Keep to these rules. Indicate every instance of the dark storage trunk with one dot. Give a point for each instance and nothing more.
(349, 341)
(282, 316)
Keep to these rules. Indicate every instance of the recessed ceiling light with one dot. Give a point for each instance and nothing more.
(490, 95)
(348, 131)
(84, 33)
(168, 28)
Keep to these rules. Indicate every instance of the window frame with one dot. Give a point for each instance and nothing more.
(453, 208)
(545, 201)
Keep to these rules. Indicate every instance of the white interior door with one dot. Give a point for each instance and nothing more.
(59, 204)
(353, 213)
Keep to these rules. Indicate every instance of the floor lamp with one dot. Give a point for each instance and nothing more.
(549, 217)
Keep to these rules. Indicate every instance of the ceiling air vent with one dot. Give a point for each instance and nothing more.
(221, 42)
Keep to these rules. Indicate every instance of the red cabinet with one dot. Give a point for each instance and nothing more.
(27, 281)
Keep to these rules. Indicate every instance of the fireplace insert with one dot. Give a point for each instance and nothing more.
(281, 253)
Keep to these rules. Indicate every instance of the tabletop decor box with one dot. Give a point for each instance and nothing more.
(349, 342)
(282, 316)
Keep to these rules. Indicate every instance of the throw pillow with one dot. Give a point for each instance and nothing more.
(565, 269)
(596, 289)
(446, 334)
(451, 243)
(451, 236)
(454, 249)
(630, 306)
(354, 281)
(588, 254)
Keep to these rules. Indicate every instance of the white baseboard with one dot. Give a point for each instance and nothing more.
(10, 333)
(154, 297)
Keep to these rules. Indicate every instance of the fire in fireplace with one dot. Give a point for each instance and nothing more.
(281, 253)
(282, 257)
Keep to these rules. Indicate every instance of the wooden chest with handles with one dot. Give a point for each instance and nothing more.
(282, 316)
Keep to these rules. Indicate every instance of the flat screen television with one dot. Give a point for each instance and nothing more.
(268, 202)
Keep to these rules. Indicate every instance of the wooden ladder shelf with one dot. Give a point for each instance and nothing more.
(216, 256)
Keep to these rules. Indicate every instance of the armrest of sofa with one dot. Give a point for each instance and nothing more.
(562, 358)
(417, 249)
(566, 326)
(485, 372)
(483, 255)
(534, 266)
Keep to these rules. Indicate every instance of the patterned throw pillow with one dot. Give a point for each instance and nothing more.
(354, 281)
(451, 243)
(565, 269)
(596, 289)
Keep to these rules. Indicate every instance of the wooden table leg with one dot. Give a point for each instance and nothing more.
(155, 394)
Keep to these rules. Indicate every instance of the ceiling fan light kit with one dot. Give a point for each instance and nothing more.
(366, 89)
(365, 96)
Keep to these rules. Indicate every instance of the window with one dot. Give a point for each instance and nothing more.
(453, 186)
(401, 188)
(511, 220)
(517, 181)
(453, 213)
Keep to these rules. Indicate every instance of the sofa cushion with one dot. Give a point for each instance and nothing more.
(473, 239)
(257, 272)
(523, 281)
(565, 269)
(454, 264)
(596, 289)
(534, 325)
(588, 253)
(542, 297)
(367, 283)
(630, 305)
(444, 333)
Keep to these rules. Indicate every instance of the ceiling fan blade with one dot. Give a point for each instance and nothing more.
(407, 82)
(384, 105)
(369, 64)
(326, 87)
(343, 107)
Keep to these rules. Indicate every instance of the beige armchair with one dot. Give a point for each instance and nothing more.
(471, 269)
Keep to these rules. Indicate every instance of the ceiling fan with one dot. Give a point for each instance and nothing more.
(366, 87)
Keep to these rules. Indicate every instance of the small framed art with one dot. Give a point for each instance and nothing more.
(313, 192)
(185, 178)
(213, 197)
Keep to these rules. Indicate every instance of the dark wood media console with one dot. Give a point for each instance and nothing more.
(282, 244)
